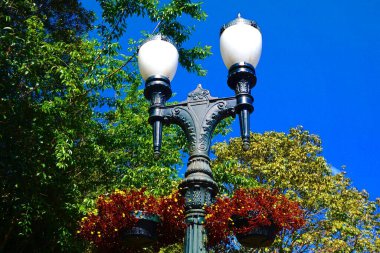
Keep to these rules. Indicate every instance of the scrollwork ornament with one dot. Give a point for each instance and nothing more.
(213, 116)
(176, 111)
(221, 105)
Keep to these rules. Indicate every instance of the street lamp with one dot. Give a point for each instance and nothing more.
(240, 45)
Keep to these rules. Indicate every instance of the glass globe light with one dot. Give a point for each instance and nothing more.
(240, 41)
(158, 56)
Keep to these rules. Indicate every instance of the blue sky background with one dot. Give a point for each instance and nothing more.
(319, 68)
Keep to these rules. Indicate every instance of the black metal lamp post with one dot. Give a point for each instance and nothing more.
(240, 43)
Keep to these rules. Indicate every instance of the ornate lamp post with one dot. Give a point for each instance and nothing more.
(240, 45)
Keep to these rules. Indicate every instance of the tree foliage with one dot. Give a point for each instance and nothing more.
(340, 218)
(73, 125)
(72, 118)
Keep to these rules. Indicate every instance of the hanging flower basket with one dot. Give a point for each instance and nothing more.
(261, 236)
(254, 216)
(260, 214)
(258, 237)
(122, 219)
(144, 232)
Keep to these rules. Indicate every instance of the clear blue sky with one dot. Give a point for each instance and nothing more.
(319, 68)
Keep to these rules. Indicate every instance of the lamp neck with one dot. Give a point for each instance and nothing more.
(157, 90)
(241, 77)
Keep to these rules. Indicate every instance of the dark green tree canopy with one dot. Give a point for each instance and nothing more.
(64, 20)
(63, 139)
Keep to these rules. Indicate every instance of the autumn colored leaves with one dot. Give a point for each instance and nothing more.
(121, 210)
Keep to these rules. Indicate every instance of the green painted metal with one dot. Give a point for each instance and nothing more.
(147, 216)
(195, 240)
(198, 117)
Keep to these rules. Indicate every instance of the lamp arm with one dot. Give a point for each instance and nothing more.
(157, 91)
(242, 78)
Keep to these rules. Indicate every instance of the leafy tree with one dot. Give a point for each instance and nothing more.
(64, 20)
(73, 122)
(73, 125)
(340, 218)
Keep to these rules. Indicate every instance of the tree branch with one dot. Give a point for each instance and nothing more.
(130, 58)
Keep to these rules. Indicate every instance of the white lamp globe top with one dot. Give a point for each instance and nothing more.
(158, 56)
(240, 41)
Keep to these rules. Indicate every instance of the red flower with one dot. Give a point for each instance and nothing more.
(172, 212)
(262, 207)
(218, 221)
(258, 207)
(113, 214)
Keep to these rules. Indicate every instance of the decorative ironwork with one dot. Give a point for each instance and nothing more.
(242, 87)
(198, 117)
(199, 94)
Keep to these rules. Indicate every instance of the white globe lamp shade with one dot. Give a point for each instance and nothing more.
(240, 41)
(158, 56)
